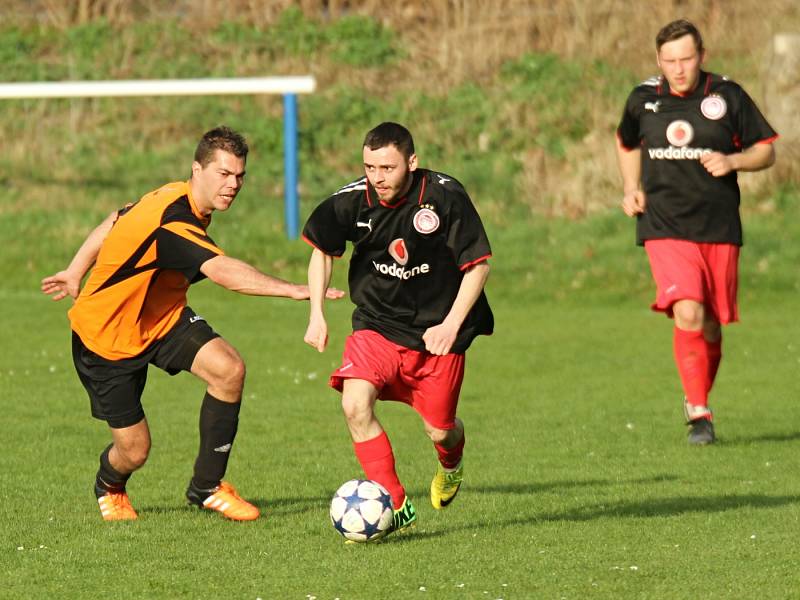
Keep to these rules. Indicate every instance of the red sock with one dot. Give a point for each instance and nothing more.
(450, 457)
(691, 356)
(714, 358)
(377, 460)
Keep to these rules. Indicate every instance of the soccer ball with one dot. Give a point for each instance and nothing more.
(362, 510)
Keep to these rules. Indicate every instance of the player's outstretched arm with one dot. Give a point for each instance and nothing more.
(630, 167)
(239, 276)
(439, 339)
(68, 282)
(320, 268)
(755, 158)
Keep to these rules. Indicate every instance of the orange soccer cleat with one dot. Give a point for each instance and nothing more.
(223, 499)
(116, 507)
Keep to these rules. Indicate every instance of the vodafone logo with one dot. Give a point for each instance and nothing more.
(426, 221)
(680, 133)
(398, 251)
(713, 107)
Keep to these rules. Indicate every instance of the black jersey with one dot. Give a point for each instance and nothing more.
(408, 258)
(684, 200)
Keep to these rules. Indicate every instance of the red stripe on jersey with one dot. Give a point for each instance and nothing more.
(737, 141)
(474, 262)
(310, 243)
(708, 85)
(421, 191)
(768, 140)
(396, 204)
(313, 245)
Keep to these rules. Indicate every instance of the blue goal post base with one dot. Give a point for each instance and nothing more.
(288, 86)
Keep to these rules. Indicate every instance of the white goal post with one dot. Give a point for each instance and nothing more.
(289, 87)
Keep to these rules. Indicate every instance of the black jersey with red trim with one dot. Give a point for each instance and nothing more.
(408, 258)
(684, 200)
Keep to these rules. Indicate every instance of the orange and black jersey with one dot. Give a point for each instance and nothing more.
(684, 201)
(409, 258)
(137, 288)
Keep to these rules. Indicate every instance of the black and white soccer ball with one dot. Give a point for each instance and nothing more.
(361, 510)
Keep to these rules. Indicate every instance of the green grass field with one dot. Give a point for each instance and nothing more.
(579, 481)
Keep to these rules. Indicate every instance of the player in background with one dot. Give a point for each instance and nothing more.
(682, 138)
(417, 272)
(132, 312)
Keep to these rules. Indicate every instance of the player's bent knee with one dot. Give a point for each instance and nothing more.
(237, 371)
(229, 375)
(438, 436)
(688, 314)
(356, 410)
(134, 457)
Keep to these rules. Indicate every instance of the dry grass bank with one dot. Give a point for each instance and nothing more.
(449, 42)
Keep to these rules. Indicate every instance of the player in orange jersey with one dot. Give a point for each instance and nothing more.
(132, 312)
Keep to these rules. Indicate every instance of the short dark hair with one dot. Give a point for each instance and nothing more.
(390, 134)
(678, 29)
(220, 138)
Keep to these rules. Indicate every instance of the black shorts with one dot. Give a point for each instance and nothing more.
(115, 386)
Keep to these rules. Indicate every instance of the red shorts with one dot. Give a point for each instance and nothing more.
(704, 272)
(430, 384)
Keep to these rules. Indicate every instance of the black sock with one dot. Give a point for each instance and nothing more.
(108, 478)
(218, 423)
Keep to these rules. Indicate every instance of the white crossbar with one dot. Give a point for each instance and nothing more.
(159, 87)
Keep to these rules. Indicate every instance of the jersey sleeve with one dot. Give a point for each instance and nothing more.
(628, 129)
(467, 238)
(184, 247)
(753, 126)
(326, 228)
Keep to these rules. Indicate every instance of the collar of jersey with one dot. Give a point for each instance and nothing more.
(417, 181)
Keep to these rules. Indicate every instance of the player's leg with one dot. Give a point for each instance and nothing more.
(127, 453)
(369, 367)
(370, 442)
(712, 332)
(691, 351)
(449, 443)
(722, 262)
(192, 345)
(679, 270)
(373, 448)
(220, 366)
(447, 480)
(435, 398)
(115, 389)
(693, 361)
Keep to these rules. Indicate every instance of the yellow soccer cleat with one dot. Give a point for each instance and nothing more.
(445, 485)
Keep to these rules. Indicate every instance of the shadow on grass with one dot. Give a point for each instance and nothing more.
(670, 507)
(277, 506)
(664, 507)
(769, 437)
(534, 487)
(409, 537)
(289, 506)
